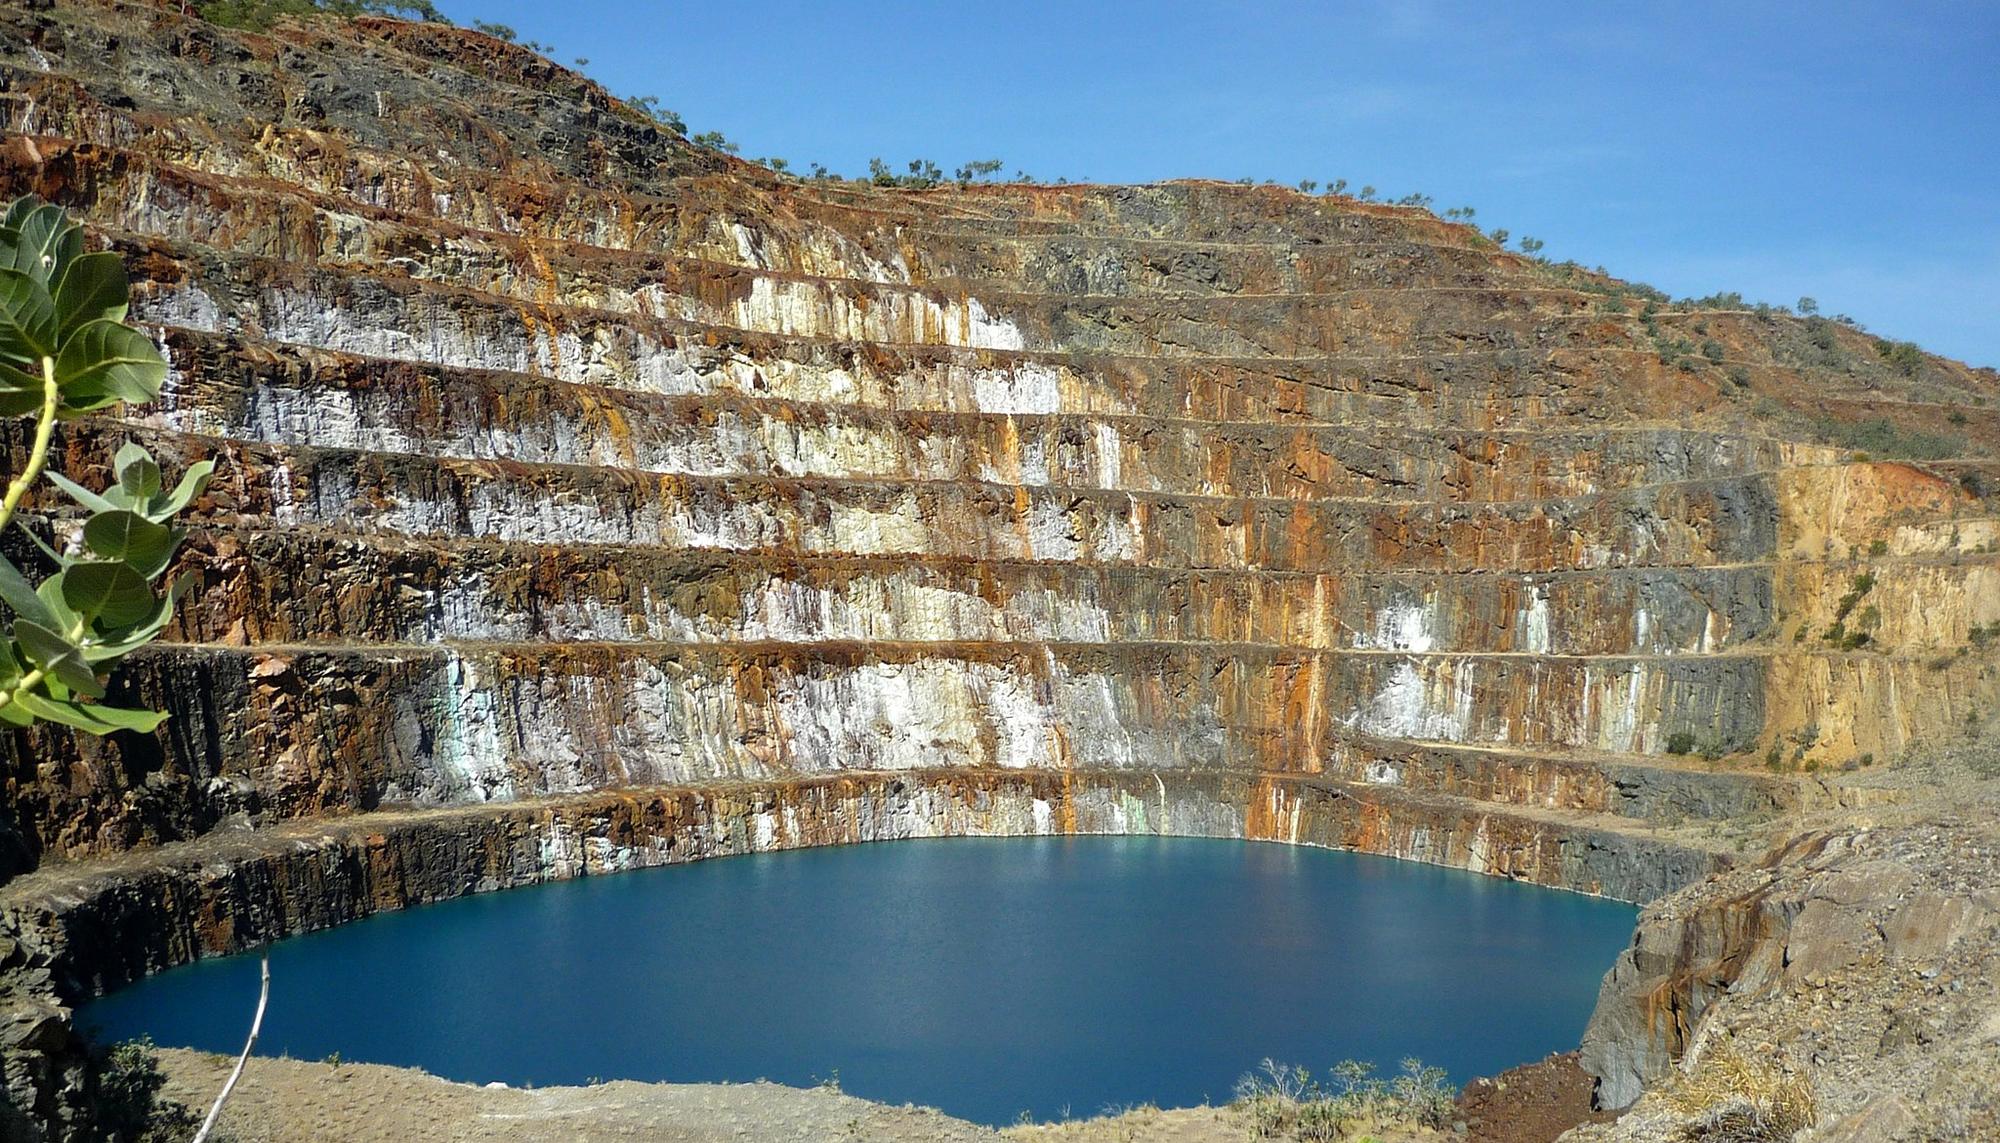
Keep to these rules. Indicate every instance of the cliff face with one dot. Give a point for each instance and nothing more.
(560, 457)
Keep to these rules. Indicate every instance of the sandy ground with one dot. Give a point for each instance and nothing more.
(1182, 1125)
(293, 1101)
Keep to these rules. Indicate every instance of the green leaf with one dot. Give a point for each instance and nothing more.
(14, 714)
(104, 362)
(108, 591)
(58, 656)
(20, 391)
(50, 592)
(19, 210)
(19, 594)
(82, 495)
(92, 289)
(90, 718)
(119, 644)
(121, 535)
(193, 483)
(28, 326)
(138, 473)
(47, 240)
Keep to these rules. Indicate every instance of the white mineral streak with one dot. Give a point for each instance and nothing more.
(1029, 387)
(795, 308)
(769, 443)
(1109, 467)
(185, 305)
(1383, 772)
(620, 355)
(471, 765)
(1435, 699)
(1711, 634)
(646, 723)
(1402, 624)
(812, 250)
(1617, 700)
(916, 810)
(1479, 851)
(284, 505)
(1532, 621)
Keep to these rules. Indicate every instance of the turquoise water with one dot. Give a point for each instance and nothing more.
(983, 976)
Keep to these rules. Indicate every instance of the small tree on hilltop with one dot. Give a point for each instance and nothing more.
(715, 141)
(65, 351)
(976, 170)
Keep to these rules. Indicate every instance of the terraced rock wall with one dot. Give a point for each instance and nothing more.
(560, 456)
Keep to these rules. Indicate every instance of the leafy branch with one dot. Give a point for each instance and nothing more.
(66, 351)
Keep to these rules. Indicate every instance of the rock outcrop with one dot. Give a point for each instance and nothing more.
(589, 499)
(1863, 955)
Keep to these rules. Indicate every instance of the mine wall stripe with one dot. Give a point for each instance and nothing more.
(1409, 226)
(711, 558)
(213, 345)
(904, 651)
(1081, 359)
(997, 489)
(578, 252)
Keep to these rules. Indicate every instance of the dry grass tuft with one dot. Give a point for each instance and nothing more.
(1732, 1098)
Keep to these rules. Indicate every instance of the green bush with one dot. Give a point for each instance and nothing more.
(649, 106)
(1680, 742)
(1879, 436)
(128, 1102)
(1903, 356)
(976, 170)
(1286, 1102)
(257, 15)
(715, 141)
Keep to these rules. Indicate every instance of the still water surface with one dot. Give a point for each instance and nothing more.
(984, 976)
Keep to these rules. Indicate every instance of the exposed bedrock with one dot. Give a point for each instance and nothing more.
(317, 731)
(235, 889)
(587, 499)
(1865, 955)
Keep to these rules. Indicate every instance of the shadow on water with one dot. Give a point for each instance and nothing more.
(982, 976)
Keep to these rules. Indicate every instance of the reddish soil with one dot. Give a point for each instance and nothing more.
(1533, 1103)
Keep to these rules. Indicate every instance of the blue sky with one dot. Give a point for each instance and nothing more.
(1846, 151)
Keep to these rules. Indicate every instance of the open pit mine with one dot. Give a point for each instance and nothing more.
(588, 500)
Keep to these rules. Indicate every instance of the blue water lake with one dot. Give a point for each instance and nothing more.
(987, 977)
